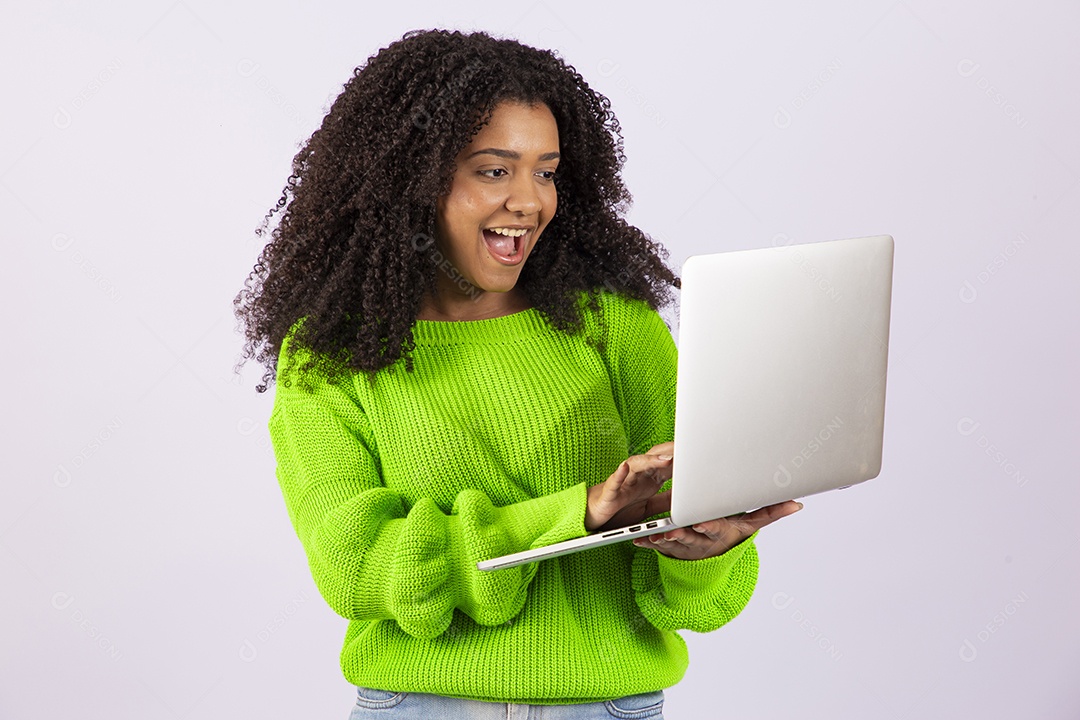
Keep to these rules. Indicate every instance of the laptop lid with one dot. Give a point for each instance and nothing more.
(781, 374)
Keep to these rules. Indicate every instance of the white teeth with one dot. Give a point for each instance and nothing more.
(510, 232)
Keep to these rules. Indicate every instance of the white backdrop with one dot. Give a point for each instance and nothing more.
(149, 568)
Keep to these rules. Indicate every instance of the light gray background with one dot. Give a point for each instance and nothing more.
(149, 568)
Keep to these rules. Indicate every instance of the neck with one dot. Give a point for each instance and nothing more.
(452, 307)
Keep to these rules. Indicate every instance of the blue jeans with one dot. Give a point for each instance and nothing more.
(374, 704)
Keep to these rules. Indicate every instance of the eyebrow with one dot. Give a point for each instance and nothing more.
(510, 154)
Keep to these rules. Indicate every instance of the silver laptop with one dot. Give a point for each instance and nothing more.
(782, 359)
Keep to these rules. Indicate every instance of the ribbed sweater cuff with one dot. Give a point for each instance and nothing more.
(423, 566)
(698, 595)
(493, 597)
(547, 519)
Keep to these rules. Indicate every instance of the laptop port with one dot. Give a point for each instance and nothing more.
(635, 528)
(612, 534)
(651, 525)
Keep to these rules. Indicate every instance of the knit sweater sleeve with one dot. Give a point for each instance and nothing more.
(673, 594)
(371, 554)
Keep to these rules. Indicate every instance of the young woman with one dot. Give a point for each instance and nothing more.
(470, 362)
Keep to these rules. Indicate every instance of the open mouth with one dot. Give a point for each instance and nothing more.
(504, 248)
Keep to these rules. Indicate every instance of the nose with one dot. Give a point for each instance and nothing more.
(522, 197)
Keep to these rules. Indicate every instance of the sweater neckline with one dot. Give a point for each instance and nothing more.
(524, 323)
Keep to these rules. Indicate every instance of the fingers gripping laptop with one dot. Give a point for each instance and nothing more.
(780, 389)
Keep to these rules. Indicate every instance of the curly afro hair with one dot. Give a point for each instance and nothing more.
(347, 256)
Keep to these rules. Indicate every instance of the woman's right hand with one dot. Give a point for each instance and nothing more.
(629, 495)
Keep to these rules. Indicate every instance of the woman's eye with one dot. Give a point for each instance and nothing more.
(548, 174)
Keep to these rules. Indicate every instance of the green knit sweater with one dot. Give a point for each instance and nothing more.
(397, 490)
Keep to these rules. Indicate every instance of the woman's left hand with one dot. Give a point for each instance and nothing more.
(715, 537)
